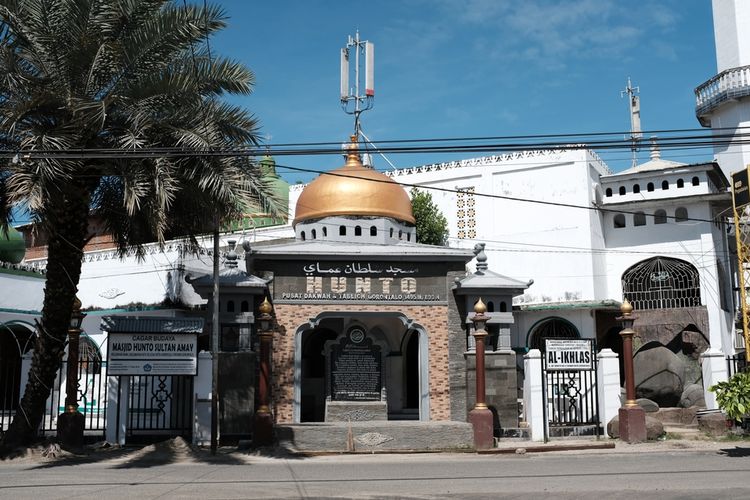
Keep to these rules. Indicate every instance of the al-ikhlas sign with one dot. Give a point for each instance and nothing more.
(360, 281)
(568, 355)
(152, 354)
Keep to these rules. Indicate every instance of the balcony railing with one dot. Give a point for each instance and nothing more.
(730, 84)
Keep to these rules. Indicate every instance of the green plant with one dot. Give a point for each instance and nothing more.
(733, 396)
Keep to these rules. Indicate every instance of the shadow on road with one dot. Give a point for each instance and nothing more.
(736, 452)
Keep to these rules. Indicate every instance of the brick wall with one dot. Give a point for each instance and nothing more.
(434, 319)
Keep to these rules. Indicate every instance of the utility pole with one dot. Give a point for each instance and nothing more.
(634, 107)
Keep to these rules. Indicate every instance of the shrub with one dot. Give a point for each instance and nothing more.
(733, 396)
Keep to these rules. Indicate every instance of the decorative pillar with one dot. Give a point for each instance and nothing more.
(481, 416)
(263, 428)
(71, 422)
(631, 416)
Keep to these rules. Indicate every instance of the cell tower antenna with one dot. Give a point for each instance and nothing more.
(352, 102)
(634, 106)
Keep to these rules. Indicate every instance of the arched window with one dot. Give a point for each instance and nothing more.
(357, 230)
(391, 232)
(325, 231)
(89, 356)
(660, 216)
(639, 219)
(619, 221)
(550, 328)
(650, 187)
(302, 236)
(681, 214)
(636, 188)
(373, 231)
(608, 193)
(400, 234)
(696, 181)
(503, 307)
(490, 306)
(665, 185)
(408, 236)
(244, 306)
(314, 234)
(342, 230)
(662, 283)
(230, 306)
(622, 190)
(680, 183)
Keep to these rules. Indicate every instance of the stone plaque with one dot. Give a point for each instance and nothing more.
(356, 368)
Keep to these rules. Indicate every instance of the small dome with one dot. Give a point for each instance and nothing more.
(353, 190)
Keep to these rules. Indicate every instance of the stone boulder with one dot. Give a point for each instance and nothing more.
(648, 405)
(693, 395)
(654, 428)
(658, 375)
(713, 423)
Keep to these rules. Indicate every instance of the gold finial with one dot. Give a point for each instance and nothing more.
(77, 304)
(352, 157)
(479, 307)
(626, 307)
(265, 307)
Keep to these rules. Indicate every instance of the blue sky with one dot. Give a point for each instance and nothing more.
(461, 68)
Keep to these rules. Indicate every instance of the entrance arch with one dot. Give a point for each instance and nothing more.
(552, 327)
(395, 330)
(16, 339)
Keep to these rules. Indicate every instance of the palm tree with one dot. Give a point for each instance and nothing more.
(80, 77)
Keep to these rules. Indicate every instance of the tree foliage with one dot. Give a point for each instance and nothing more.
(115, 76)
(431, 225)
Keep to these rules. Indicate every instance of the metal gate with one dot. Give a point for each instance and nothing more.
(10, 388)
(160, 405)
(571, 399)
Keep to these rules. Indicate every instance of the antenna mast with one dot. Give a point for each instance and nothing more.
(352, 102)
(634, 106)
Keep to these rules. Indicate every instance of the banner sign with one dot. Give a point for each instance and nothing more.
(740, 192)
(152, 354)
(569, 354)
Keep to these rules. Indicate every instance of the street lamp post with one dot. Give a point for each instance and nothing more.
(632, 418)
(263, 428)
(481, 416)
(70, 423)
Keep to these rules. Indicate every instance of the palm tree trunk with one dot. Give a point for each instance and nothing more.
(67, 226)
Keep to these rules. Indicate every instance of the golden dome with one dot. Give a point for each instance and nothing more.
(353, 190)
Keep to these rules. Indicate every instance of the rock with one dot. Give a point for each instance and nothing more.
(658, 375)
(647, 405)
(714, 424)
(654, 428)
(693, 395)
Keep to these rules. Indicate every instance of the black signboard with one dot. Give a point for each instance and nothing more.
(740, 189)
(356, 369)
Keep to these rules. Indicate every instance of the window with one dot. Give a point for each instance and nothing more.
(325, 231)
(357, 230)
(302, 236)
(244, 306)
(490, 306)
(661, 283)
(696, 181)
(608, 193)
(373, 231)
(681, 214)
(665, 185)
(230, 306)
(639, 219)
(391, 232)
(660, 217)
(619, 221)
(622, 190)
(342, 230)
(650, 187)
(503, 307)
(408, 236)
(400, 234)
(314, 234)
(636, 188)
(680, 183)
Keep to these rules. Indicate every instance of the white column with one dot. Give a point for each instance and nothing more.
(714, 369)
(533, 396)
(25, 365)
(608, 385)
(202, 401)
(118, 390)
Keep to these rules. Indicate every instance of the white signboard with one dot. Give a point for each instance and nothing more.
(569, 355)
(152, 354)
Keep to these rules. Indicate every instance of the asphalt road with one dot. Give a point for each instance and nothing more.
(705, 474)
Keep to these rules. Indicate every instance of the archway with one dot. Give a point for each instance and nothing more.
(550, 328)
(662, 283)
(16, 339)
(405, 371)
